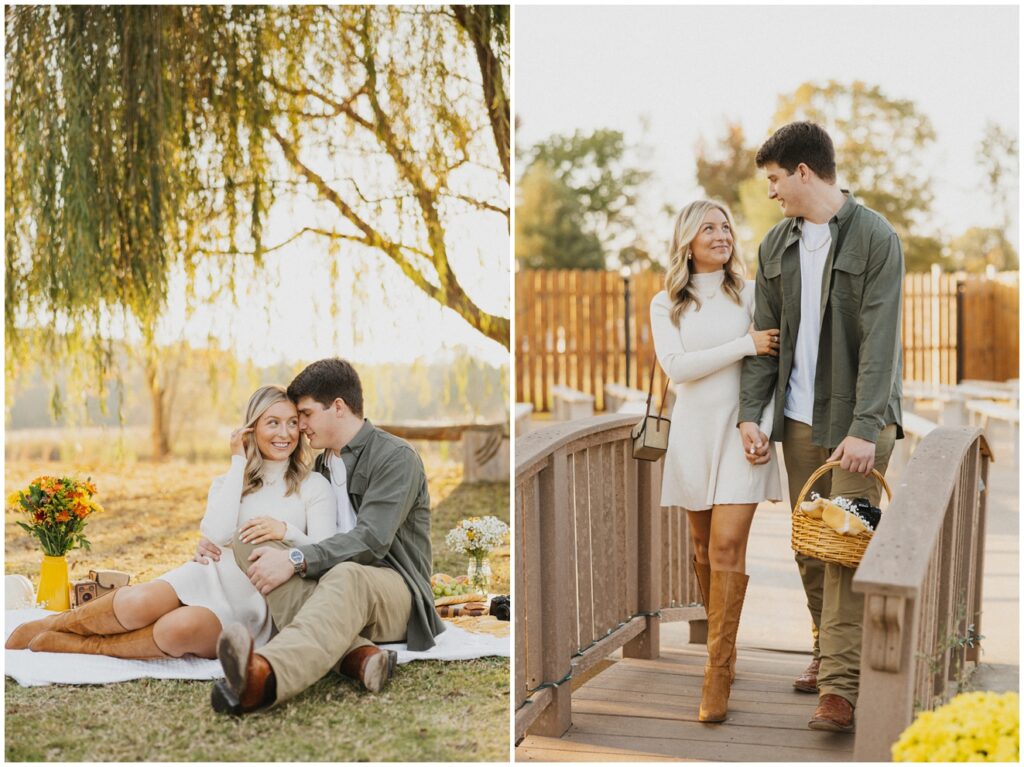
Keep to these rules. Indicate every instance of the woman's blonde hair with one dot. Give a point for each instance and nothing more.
(299, 462)
(678, 283)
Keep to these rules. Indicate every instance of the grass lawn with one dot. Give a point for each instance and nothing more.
(431, 711)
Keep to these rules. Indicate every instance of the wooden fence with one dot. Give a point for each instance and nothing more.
(571, 330)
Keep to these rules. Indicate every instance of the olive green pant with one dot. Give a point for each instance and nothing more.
(320, 621)
(837, 612)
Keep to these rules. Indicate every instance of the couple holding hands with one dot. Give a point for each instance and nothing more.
(807, 355)
(326, 557)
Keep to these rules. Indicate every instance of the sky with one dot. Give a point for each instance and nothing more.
(285, 313)
(666, 76)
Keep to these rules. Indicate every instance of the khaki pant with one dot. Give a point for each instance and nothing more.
(837, 612)
(321, 621)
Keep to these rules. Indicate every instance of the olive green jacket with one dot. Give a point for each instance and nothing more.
(387, 486)
(858, 380)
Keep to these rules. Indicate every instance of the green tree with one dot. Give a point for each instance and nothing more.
(879, 142)
(980, 247)
(921, 251)
(723, 167)
(550, 231)
(599, 170)
(142, 140)
(997, 155)
(758, 213)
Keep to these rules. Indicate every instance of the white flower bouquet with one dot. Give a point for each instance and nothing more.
(477, 536)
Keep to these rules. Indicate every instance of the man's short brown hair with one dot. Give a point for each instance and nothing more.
(800, 142)
(327, 380)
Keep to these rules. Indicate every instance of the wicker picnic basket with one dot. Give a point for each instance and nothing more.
(814, 538)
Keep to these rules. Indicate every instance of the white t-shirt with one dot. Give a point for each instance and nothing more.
(815, 241)
(339, 482)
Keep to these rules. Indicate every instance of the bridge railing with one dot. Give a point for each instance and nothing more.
(598, 563)
(921, 578)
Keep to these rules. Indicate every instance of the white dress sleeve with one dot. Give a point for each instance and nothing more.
(321, 515)
(680, 365)
(222, 504)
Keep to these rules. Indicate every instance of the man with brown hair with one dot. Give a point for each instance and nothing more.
(830, 277)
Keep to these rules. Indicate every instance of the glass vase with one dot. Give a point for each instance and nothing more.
(54, 585)
(479, 572)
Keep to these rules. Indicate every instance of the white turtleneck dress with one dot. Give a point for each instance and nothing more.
(704, 464)
(222, 587)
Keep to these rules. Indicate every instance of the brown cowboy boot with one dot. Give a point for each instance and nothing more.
(808, 681)
(834, 714)
(370, 666)
(136, 644)
(726, 604)
(703, 573)
(95, 617)
(249, 682)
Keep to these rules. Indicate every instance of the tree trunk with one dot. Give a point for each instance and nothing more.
(159, 431)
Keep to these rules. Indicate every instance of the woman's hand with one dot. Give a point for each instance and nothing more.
(238, 440)
(262, 529)
(766, 341)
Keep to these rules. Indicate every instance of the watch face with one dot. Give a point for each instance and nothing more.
(296, 557)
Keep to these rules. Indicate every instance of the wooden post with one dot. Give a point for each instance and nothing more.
(558, 579)
(886, 676)
(648, 644)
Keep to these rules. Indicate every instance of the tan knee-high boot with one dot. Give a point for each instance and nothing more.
(95, 617)
(724, 608)
(703, 573)
(137, 644)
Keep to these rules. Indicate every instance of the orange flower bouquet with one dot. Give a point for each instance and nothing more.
(57, 508)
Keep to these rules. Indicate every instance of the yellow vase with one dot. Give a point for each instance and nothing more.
(54, 586)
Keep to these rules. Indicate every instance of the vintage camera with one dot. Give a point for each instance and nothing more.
(99, 583)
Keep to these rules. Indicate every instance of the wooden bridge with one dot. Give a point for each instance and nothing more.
(600, 566)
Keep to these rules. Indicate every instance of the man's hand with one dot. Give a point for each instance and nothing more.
(855, 455)
(206, 548)
(755, 444)
(270, 568)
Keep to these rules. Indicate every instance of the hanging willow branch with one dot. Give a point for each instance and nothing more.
(142, 138)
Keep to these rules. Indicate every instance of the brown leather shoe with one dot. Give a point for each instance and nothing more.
(370, 666)
(249, 681)
(808, 681)
(834, 713)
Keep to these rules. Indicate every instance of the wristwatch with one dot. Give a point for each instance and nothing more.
(298, 560)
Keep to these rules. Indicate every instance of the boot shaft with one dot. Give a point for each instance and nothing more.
(727, 591)
(138, 644)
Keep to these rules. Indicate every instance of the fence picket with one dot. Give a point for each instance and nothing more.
(570, 330)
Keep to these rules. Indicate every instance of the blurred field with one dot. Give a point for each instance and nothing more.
(433, 711)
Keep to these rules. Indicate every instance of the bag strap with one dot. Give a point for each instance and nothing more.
(650, 391)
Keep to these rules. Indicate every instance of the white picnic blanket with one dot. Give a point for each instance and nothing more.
(33, 669)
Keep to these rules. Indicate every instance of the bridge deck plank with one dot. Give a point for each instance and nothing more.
(640, 710)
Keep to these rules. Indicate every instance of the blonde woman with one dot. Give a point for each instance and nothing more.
(269, 493)
(702, 330)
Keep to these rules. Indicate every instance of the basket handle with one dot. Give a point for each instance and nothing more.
(827, 467)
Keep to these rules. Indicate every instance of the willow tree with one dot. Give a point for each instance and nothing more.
(144, 140)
